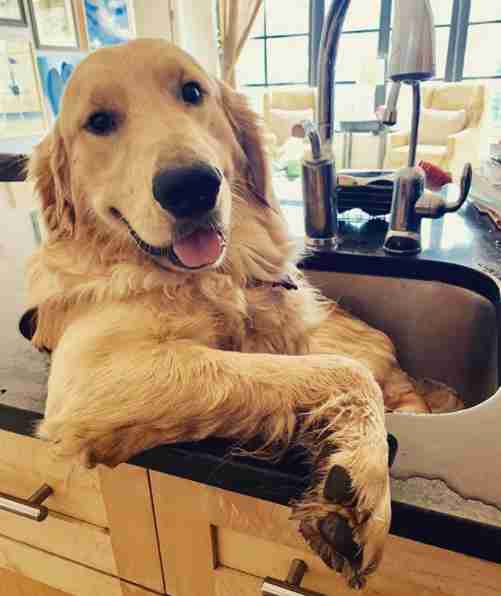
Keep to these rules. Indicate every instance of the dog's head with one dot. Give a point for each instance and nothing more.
(150, 149)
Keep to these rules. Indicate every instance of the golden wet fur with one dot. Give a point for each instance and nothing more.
(145, 352)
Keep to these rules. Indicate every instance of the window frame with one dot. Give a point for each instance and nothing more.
(264, 38)
(459, 29)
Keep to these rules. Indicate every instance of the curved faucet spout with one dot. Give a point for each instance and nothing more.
(327, 60)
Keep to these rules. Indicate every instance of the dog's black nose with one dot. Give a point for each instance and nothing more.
(187, 191)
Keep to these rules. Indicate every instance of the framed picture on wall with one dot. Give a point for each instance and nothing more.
(54, 25)
(55, 71)
(12, 13)
(108, 22)
(21, 106)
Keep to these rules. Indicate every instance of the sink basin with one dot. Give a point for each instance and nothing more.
(441, 331)
(445, 332)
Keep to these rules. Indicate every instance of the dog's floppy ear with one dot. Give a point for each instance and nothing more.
(48, 168)
(248, 130)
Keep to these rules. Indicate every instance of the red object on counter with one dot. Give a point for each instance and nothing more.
(435, 176)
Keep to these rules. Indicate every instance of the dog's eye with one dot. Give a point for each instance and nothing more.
(192, 93)
(101, 123)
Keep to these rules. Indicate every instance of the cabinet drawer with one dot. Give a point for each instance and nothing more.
(26, 464)
(26, 571)
(239, 540)
(89, 512)
(409, 568)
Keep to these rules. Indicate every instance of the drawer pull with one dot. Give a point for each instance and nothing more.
(291, 586)
(31, 508)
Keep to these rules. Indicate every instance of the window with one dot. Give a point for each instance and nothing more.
(442, 12)
(279, 49)
(482, 54)
(278, 46)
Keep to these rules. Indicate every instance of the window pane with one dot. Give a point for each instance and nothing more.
(288, 60)
(354, 49)
(442, 11)
(250, 67)
(286, 16)
(485, 10)
(442, 46)
(258, 26)
(483, 57)
(354, 102)
(362, 14)
(494, 86)
(255, 97)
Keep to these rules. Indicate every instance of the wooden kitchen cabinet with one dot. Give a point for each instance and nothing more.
(27, 571)
(100, 530)
(216, 542)
(131, 531)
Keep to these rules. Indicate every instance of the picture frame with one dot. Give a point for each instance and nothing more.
(54, 24)
(108, 22)
(12, 13)
(22, 109)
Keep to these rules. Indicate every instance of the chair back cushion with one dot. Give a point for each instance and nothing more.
(437, 125)
(457, 96)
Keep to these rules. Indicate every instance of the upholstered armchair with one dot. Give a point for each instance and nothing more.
(285, 107)
(450, 128)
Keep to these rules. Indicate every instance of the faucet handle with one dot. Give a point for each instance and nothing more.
(433, 205)
(306, 128)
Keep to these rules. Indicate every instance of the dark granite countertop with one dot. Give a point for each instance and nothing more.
(466, 242)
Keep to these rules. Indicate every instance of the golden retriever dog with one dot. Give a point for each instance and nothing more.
(168, 297)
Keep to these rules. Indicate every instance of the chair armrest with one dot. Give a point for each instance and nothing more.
(463, 147)
(398, 139)
(461, 142)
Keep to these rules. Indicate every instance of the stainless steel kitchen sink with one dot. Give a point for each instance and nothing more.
(451, 334)
(441, 331)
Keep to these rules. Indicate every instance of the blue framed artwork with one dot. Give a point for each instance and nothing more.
(108, 22)
(55, 70)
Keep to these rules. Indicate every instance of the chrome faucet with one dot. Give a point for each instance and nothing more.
(319, 171)
(412, 61)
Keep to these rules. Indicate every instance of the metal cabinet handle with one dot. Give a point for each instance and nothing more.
(31, 508)
(291, 586)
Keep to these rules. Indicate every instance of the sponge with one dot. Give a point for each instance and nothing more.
(435, 176)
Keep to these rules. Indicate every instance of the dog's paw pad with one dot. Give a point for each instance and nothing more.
(333, 541)
(338, 488)
(322, 547)
(337, 532)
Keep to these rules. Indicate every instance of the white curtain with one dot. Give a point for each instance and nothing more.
(236, 18)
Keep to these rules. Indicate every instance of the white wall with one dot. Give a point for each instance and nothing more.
(153, 18)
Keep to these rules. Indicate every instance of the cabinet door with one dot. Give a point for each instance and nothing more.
(218, 543)
(26, 571)
(90, 511)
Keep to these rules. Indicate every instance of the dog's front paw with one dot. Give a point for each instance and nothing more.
(345, 515)
(73, 439)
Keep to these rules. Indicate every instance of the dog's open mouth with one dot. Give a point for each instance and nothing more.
(201, 247)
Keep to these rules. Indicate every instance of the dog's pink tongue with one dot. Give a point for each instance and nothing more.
(202, 247)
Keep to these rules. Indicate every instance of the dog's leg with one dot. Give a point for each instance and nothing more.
(116, 393)
(345, 515)
(343, 334)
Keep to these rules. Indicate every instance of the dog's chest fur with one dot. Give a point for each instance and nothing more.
(268, 318)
